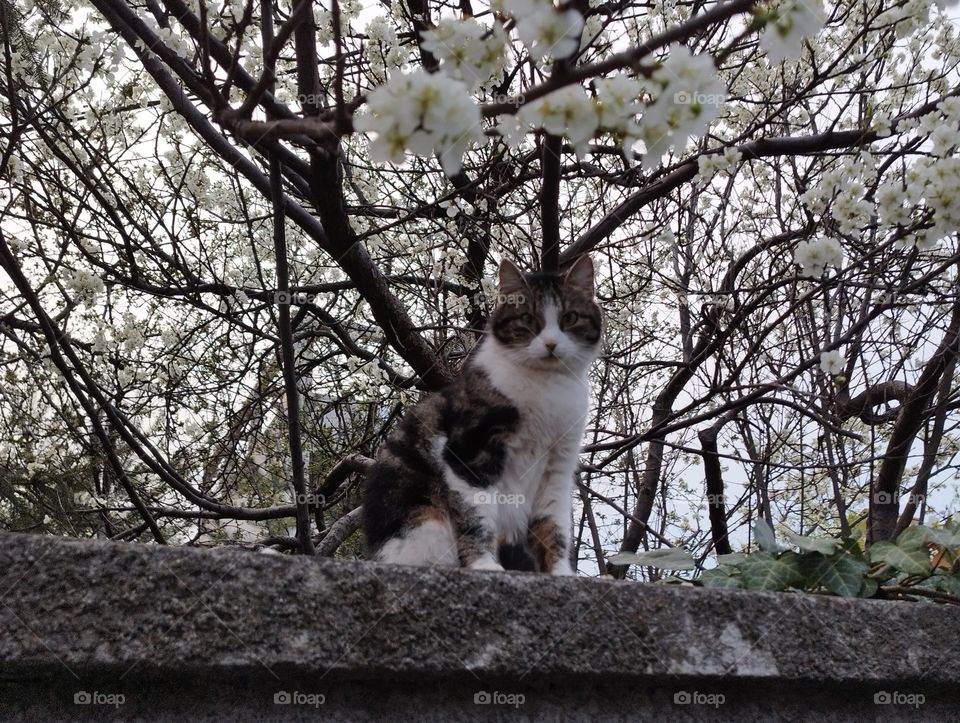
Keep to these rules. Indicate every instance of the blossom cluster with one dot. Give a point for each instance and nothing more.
(690, 96)
(925, 203)
(815, 255)
(709, 165)
(791, 23)
(937, 182)
(86, 285)
(422, 112)
(470, 51)
(383, 49)
(546, 30)
(566, 112)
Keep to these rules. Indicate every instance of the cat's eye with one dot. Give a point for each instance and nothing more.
(569, 318)
(527, 319)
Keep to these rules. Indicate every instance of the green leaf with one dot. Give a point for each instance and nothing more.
(623, 558)
(841, 574)
(733, 558)
(870, 587)
(913, 560)
(914, 537)
(765, 537)
(852, 544)
(811, 544)
(666, 558)
(948, 583)
(944, 537)
(718, 578)
(763, 571)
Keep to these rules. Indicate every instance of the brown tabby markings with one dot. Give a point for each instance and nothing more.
(546, 542)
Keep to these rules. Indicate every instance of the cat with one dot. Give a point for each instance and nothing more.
(482, 472)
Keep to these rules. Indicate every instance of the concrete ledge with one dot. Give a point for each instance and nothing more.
(186, 633)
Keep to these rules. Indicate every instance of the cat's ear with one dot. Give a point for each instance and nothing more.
(511, 278)
(580, 275)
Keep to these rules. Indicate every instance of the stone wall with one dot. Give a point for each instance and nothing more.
(94, 630)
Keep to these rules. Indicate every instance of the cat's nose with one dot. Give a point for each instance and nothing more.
(551, 345)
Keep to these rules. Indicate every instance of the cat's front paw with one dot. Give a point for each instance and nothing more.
(485, 563)
(563, 567)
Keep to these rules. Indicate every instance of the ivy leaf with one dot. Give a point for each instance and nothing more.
(915, 537)
(841, 574)
(719, 578)
(948, 583)
(666, 558)
(944, 537)
(870, 587)
(811, 544)
(765, 537)
(912, 560)
(733, 558)
(853, 545)
(763, 571)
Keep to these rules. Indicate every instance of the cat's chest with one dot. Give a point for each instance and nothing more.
(549, 432)
(551, 413)
(550, 406)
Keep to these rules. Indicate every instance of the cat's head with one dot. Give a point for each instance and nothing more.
(548, 321)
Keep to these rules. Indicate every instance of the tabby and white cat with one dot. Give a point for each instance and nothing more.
(485, 468)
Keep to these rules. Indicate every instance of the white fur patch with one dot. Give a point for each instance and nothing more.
(431, 543)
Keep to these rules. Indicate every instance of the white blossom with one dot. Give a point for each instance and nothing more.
(709, 165)
(690, 96)
(617, 102)
(545, 30)
(832, 362)
(421, 112)
(383, 48)
(815, 255)
(891, 202)
(793, 22)
(850, 209)
(566, 112)
(882, 124)
(469, 51)
(86, 285)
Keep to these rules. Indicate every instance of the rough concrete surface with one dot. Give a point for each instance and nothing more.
(95, 630)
